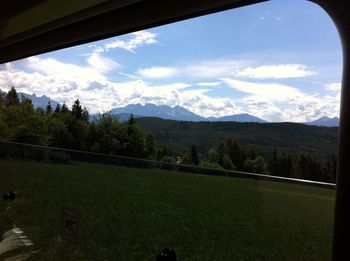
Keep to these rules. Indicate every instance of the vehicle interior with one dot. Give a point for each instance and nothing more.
(33, 27)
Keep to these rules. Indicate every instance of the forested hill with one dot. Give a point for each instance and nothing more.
(177, 136)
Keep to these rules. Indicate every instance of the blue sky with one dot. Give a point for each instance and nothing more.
(279, 60)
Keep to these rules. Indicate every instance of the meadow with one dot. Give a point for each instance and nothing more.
(133, 213)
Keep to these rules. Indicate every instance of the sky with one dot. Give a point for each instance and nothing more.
(280, 60)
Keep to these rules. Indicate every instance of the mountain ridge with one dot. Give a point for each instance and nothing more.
(39, 101)
(173, 113)
(325, 121)
(176, 113)
(181, 114)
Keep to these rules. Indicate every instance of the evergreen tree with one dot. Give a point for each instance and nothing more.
(58, 108)
(234, 152)
(149, 144)
(160, 153)
(305, 166)
(11, 98)
(64, 108)
(220, 150)
(1, 101)
(40, 111)
(194, 155)
(26, 101)
(186, 159)
(131, 120)
(48, 108)
(85, 116)
(287, 166)
(77, 110)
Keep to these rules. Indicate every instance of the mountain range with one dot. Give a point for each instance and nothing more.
(39, 101)
(325, 121)
(160, 111)
(172, 113)
(175, 113)
(182, 114)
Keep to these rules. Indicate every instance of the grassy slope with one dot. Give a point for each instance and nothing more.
(132, 214)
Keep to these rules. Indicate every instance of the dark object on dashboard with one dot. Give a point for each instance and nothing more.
(9, 196)
(167, 255)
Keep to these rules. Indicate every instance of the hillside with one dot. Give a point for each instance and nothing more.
(177, 136)
(141, 211)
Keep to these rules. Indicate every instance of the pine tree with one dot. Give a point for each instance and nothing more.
(58, 108)
(85, 115)
(2, 99)
(131, 120)
(26, 101)
(77, 110)
(48, 108)
(11, 98)
(194, 155)
(149, 146)
(64, 108)
(234, 152)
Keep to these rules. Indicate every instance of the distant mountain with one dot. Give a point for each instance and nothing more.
(325, 121)
(39, 101)
(245, 117)
(175, 113)
(152, 110)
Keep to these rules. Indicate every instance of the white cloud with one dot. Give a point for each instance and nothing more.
(308, 108)
(138, 39)
(336, 86)
(177, 86)
(206, 69)
(281, 71)
(157, 72)
(102, 64)
(102, 95)
(66, 82)
(267, 91)
(298, 109)
(213, 68)
(54, 68)
(208, 84)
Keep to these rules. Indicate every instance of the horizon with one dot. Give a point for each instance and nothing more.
(177, 106)
(284, 65)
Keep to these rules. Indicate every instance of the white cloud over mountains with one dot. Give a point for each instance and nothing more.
(100, 94)
(190, 87)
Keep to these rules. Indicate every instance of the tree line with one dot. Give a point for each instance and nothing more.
(71, 128)
(230, 155)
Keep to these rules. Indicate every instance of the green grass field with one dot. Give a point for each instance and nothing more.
(133, 214)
